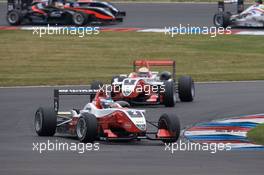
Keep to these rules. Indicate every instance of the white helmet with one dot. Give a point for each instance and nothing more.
(143, 72)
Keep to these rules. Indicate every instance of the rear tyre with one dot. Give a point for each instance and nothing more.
(222, 19)
(79, 18)
(169, 94)
(14, 17)
(86, 128)
(95, 86)
(171, 123)
(186, 89)
(45, 121)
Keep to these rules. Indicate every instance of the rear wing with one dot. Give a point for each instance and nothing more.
(240, 5)
(148, 63)
(59, 92)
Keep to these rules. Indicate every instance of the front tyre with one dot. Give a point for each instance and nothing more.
(169, 94)
(14, 17)
(45, 121)
(171, 123)
(186, 89)
(86, 128)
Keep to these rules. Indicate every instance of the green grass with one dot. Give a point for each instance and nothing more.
(256, 135)
(26, 59)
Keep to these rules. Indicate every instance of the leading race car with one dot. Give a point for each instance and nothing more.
(103, 119)
(253, 16)
(143, 87)
(62, 12)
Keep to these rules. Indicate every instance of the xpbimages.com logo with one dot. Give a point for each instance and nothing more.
(138, 88)
(50, 146)
(191, 146)
(69, 31)
(195, 30)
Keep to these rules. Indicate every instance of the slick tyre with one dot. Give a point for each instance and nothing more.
(186, 89)
(222, 19)
(171, 123)
(86, 128)
(169, 94)
(79, 19)
(14, 17)
(45, 121)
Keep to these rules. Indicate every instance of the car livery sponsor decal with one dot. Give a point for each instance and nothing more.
(232, 131)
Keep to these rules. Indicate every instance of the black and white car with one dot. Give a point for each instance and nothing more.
(253, 16)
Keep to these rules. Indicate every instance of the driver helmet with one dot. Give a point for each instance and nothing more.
(58, 3)
(106, 103)
(143, 72)
(258, 1)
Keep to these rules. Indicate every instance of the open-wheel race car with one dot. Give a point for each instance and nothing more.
(253, 16)
(75, 12)
(143, 87)
(103, 119)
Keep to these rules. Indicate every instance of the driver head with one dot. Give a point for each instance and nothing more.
(106, 103)
(143, 72)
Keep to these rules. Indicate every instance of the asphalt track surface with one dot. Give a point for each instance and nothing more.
(156, 15)
(213, 101)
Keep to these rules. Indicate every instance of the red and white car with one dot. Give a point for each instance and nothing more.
(143, 86)
(103, 119)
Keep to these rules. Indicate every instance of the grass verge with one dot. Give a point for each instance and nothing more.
(256, 135)
(26, 59)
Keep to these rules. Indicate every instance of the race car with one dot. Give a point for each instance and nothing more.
(143, 87)
(253, 16)
(103, 119)
(78, 13)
